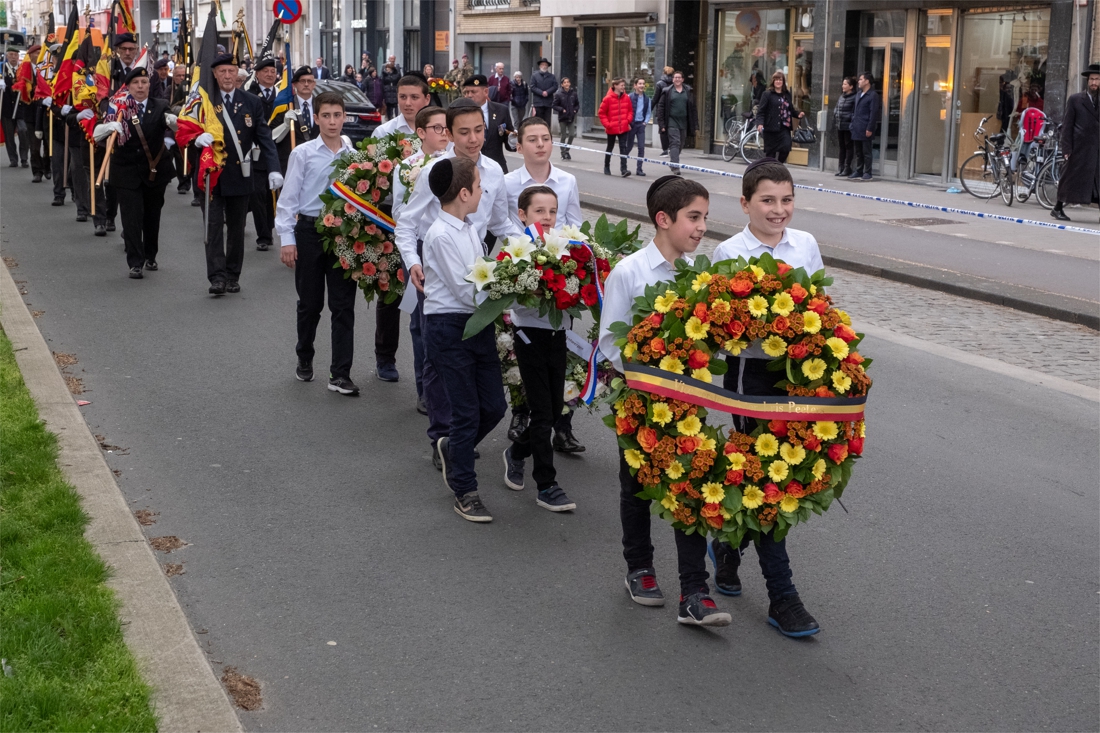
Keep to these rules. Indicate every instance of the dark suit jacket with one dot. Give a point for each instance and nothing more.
(866, 114)
(161, 89)
(496, 140)
(255, 89)
(322, 73)
(247, 113)
(9, 95)
(129, 166)
(301, 135)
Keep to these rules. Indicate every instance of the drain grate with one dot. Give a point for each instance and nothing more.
(924, 221)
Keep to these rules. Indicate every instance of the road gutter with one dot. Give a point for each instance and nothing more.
(186, 694)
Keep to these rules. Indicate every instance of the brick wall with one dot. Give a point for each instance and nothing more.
(516, 18)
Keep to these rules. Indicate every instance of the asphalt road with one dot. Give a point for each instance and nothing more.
(960, 592)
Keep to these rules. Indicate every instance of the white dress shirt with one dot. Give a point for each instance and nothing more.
(423, 209)
(564, 185)
(451, 247)
(398, 189)
(626, 282)
(485, 114)
(307, 177)
(397, 124)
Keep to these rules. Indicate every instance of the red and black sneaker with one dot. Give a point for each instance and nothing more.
(643, 588)
(698, 609)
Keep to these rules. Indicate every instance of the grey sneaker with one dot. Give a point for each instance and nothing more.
(555, 500)
(513, 471)
(469, 507)
(698, 609)
(643, 589)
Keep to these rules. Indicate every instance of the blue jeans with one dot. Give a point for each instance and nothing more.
(637, 137)
(471, 374)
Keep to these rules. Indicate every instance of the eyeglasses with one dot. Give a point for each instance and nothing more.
(437, 129)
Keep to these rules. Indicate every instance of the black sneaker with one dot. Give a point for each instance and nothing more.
(263, 246)
(518, 426)
(698, 609)
(626, 174)
(83, 217)
(469, 507)
(513, 471)
(110, 226)
(442, 452)
(151, 265)
(196, 202)
(232, 287)
(100, 230)
(726, 563)
(640, 173)
(387, 372)
(343, 385)
(217, 287)
(643, 589)
(58, 202)
(135, 273)
(420, 406)
(791, 618)
(555, 500)
(566, 442)
(437, 462)
(304, 371)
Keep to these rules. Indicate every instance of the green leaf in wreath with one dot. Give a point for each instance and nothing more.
(485, 314)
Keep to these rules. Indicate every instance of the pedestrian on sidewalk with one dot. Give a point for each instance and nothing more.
(1080, 181)
(521, 94)
(566, 105)
(390, 77)
(660, 88)
(865, 120)
(775, 118)
(643, 113)
(842, 115)
(543, 86)
(616, 115)
(677, 117)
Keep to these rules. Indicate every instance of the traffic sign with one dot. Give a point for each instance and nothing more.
(287, 11)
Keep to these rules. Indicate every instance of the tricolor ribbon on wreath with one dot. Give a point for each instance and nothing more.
(372, 212)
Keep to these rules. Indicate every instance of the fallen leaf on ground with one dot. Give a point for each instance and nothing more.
(166, 544)
(36, 314)
(244, 690)
(173, 568)
(74, 384)
(64, 360)
(10, 262)
(146, 517)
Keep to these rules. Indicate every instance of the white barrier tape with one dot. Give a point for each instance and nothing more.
(850, 194)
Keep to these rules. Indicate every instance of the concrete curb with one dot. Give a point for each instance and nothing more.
(186, 694)
(1050, 305)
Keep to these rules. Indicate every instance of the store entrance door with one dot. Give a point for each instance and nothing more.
(883, 58)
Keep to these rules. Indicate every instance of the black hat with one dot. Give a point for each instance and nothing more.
(122, 38)
(477, 80)
(440, 177)
(136, 72)
(223, 60)
(160, 64)
(300, 72)
(542, 61)
(1092, 69)
(263, 63)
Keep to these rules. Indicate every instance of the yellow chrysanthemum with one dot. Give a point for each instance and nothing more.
(862, 429)
(844, 317)
(670, 503)
(663, 303)
(837, 346)
(660, 413)
(703, 375)
(751, 497)
(629, 350)
(634, 458)
(811, 322)
(758, 271)
(696, 329)
(792, 454)
(783, 304)
(712, 492)
(774, 346)
(689, 426)
(737, 461)
(841, 382)
(767, 445)
(734, 347)
(701, 281)
(788, 504)
(708, 444)
(813, 290)
(676, 469)
(813, 368)
(819, 469)
(825, 430)
(620, 410)
(672, 364)
(758, 305)
(778, 470)
(725, 514)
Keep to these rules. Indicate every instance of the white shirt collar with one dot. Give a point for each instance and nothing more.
(526, 176)
(302, 102)
(654, 258)
(450, 220)
(753, 242)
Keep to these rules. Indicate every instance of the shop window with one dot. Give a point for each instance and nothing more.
(626, 52)
(752, 45)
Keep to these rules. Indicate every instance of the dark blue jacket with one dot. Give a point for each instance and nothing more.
(647, 107)
(866, 115)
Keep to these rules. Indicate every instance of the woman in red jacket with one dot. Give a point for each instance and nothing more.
(616, 115)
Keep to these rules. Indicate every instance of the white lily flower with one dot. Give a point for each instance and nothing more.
(572, 391)
(519, 249)
(571, 232)
(512, 376)
(555, 246)
(482, 273)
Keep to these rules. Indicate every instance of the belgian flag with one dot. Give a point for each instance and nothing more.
(63, 79)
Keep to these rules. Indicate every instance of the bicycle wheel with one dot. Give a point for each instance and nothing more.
(752, 147)
(733, 128)
(1025, 182)
(978, 177)
(1008, 182)
(729, 150)
(1046, 185)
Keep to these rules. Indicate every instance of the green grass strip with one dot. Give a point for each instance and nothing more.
(59, 627)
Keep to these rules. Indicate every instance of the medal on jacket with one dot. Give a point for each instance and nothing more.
(248, 120)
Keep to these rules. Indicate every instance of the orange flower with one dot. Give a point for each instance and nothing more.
(818, 306)
(686, 444)
(844, 332)
(711, 510)
(853, 357)
(658, 346)
(735, 477)
(772, 494)
(700, 312)
(623, 426)
(798, 293)
(715, 522)
(647, 438)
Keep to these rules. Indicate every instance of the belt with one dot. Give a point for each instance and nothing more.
(302, 218)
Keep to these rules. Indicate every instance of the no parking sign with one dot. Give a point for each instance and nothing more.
(287, 11)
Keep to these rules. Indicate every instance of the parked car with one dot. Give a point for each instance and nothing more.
(363, 116)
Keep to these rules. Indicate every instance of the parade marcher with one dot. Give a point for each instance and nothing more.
(678, 209)
(106, 208)
(659, 89)
(498, 122)
(299, 116)
(16, 136)
(141, 168)
(767, 197)
(845, 105)
(262, 205)
(175, 105)
(775, 118)
(866, 115)
(79, 163)
(161, 84)
(616, 114)
(677, 117)
(245, 128)
(470, 367)
(1080, 180)
(410, 98)
(543, 86)
(57, 160)
(567, 105)
(315, 269)
(643, 113)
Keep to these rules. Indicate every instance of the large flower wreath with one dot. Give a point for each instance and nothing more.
(352, 223)
(799, 457)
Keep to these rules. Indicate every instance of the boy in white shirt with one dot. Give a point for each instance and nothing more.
(470, 367)
(678, 209)
(412, 96)
(767, 197)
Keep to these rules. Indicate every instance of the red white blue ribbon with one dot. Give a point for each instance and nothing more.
(373, 213)
(588, 393)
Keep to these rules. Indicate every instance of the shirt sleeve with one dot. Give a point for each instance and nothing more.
(286, 209)
(500, 222)
(572, 210)
(446, 255)
(408, 223)
(816, 263)
(617, 301)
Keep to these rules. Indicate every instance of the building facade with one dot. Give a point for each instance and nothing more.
(512, 32)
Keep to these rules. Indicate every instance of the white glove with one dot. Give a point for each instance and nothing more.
(291, 115)
(66, 109)
(169, 143)
(104, 130)
(38, 134)
(3, 86)
(47, 102)
(85, 114)
(274, 180)
(279, 132)
(204, 140)
(172, 121)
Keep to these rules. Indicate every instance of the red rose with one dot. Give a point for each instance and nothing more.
(798, 293)
(564, 301)
(502, 254)
(818, 306)
(783, 268)
(698, 359)
(623, 426)
(811, 443)
(823, 391)
(603, 266)
(716, 522)
(657, 345)
(686, 444)
(853, 358)
(797, 351)
(700, 312)
(647, 438)
(547, 275)
(844, 332)
(656, 319)
(735, 329)
(400, 276)
(369, 269)
(772, 494)
(741, 287)
(359, 248)
(838, 452)
(855, 446)
(580, 254)
(735, 477)
(795, 489)
(780, 324)
(589, 295)
(779, 427)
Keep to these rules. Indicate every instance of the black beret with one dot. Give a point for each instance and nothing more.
(477, 80)
(440, 177)
(302, 71)
(160, 64)
(263, 63)
(122, 38)
(223, 60)
(136, 72)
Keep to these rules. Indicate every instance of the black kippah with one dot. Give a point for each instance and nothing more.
(659, 184)
(758, 163)
(440, 177)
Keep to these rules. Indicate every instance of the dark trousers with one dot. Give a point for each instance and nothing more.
(109, 210)
(387, 332)
(433, 390)
(637, 139)
(13, 130)
(40, 159)
(471, 372)
(541, 356)
(78, 177)
(262, 206)
(543, 113)
(182, 181)
(663, 134)
(57, 169)
(777, 145)
(517, 115)
(416, 333)
(225, 249)
(140, 208)
(623, 138)
(691, 549)
(847, 150)
(314, 270)
(864, 155)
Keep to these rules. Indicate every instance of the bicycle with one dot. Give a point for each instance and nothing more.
(1041, 150)
(752, 146)
(730, 147)
(986, 173)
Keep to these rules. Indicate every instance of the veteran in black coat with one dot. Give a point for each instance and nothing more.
(1080, 179)
(298, 115)
(499, 126)
(262, 205)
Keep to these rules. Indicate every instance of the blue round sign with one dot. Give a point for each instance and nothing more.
(287, 11)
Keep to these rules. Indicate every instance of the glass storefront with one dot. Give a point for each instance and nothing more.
(626, 52)
(933, 92)
(882, 53)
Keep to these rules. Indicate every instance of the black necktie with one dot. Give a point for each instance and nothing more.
(228, 100)
(305, 116)
(267, 95)
(141, 113)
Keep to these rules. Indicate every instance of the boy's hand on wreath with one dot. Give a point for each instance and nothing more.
(416, 277)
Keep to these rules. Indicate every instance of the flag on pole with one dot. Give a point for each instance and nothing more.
(63, 79)
(126, 15)
(198, 115)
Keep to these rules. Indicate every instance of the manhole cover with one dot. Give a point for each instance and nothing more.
(926, 221)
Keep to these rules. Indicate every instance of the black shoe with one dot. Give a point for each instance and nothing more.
(26, 164)
(607, 171)
(469, 507)
(555, 500)
(726, 563)
(48, 175)
(855, 176)
(626, 174)
(263, 246)
(13, 165)
(866, 177)
(135, 273)
(82, 217)
(344, 386)
(640, 173)
(643, 589)
(664, 153)
(1060, 215)
(183, 188)
(698, 609)
(304, 371)
(791, 618)
(110, 226)
(217, 287)
(513, 471)
(232, 287)
(518, 426)
(100, 230)
(420, 406)
(58, 202)
(37, 178)
(151, 265)
(437, 462)
(196, 202)
(841, 173)
(387, 372)
(566, 442)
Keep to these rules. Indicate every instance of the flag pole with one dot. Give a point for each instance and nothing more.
(206, 209)
(91, 174)
(106, 159)
(51, 132)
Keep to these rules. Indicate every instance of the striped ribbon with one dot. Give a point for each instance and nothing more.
(385, 223)
(588, 393)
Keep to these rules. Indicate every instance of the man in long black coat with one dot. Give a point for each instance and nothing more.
(1080, 179)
